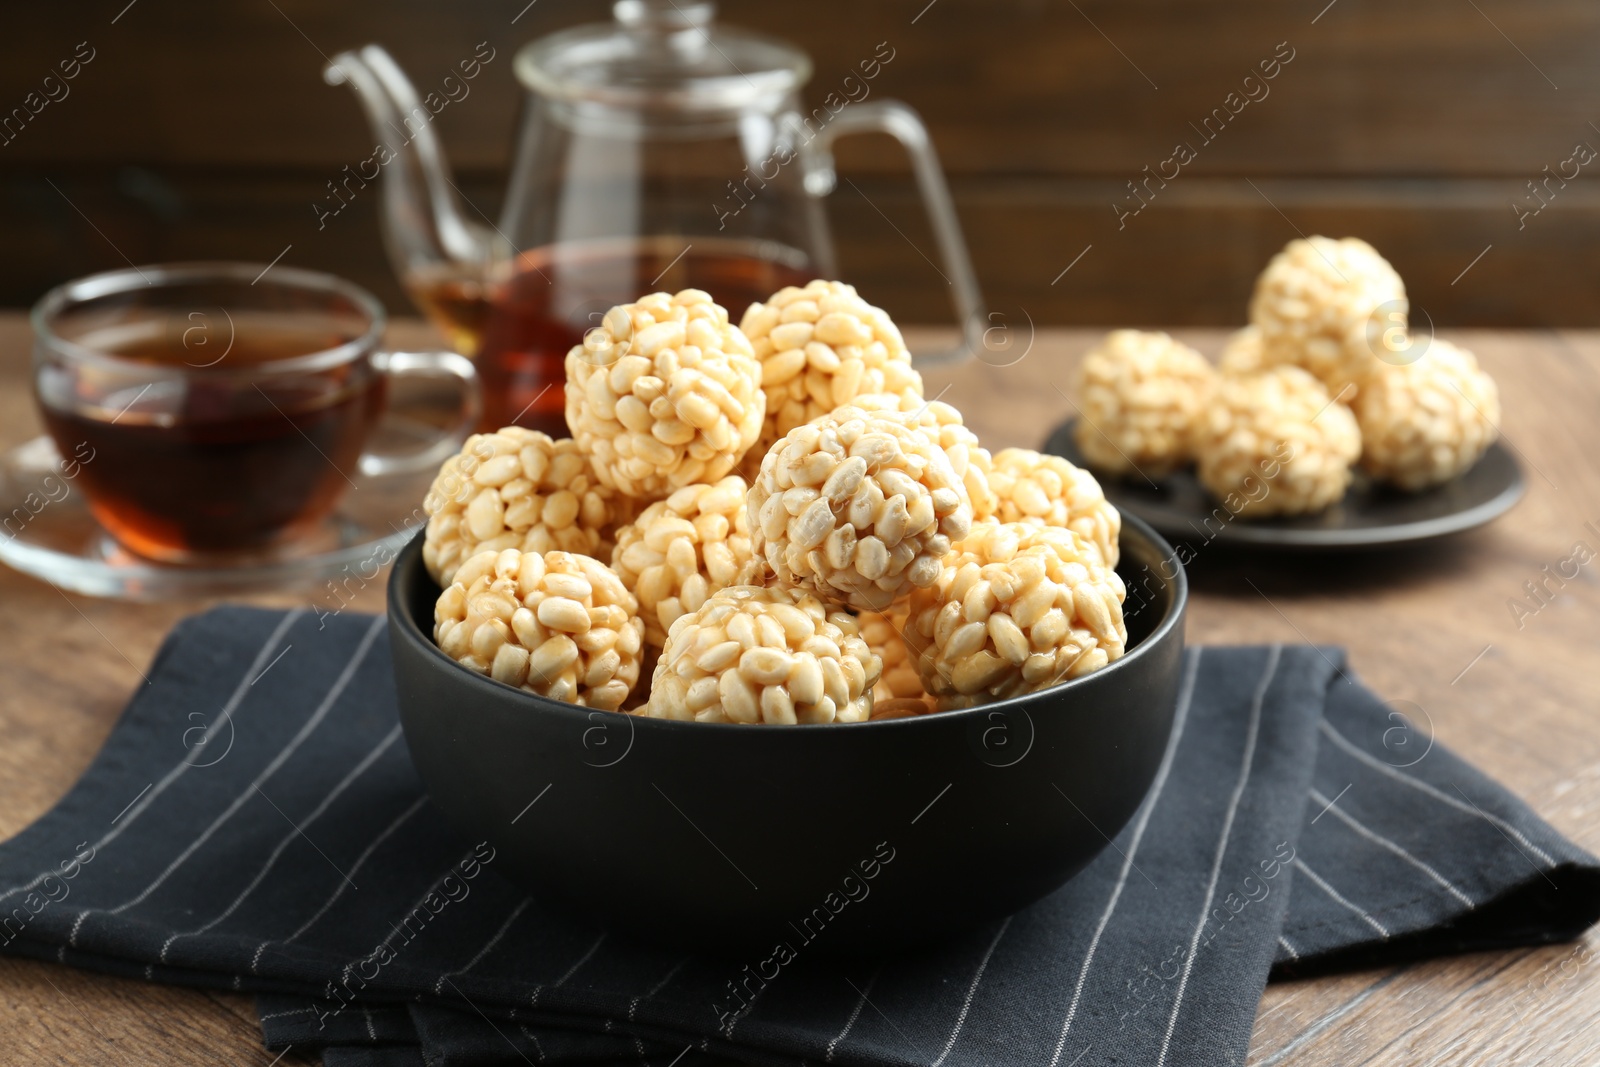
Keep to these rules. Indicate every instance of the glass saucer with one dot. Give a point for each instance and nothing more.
(47, 531)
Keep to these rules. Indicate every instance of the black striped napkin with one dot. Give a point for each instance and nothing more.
(254, 823)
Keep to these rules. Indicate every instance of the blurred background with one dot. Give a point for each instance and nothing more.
(1452, 134)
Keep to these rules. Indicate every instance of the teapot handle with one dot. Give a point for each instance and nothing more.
(901, 122)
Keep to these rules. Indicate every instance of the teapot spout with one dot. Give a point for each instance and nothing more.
(423, 227)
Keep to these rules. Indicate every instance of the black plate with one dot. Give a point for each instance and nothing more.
(1370, 515)
(728, 838)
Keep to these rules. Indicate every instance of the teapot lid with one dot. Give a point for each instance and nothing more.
(666, 55)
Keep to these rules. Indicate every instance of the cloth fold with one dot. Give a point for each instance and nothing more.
(254, 823)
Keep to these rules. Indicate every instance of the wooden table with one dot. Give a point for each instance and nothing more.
(1429, 625)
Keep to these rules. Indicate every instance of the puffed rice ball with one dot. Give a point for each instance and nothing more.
(1044, 490)
(820, 348)
(683, 549)
(558, 624)
(1275, 443)
(1140, 394)
(516, 488)
(664, 393)
(944, 425)
(1314, 305)
(1426, 422)
(1017, 608)
(774, 655)
(857, 508)
(1241, 354)
(899, 690)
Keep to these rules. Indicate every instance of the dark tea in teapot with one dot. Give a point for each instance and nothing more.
(520, 328)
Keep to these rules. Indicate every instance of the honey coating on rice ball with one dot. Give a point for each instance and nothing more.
(681, 550)
(857, 508)
(1046, 490)
(899, 691)
(1314, 306)
(558, 624)
(1426, 422)
(1275, 443)
(517, 488)
(772, 655)
(820, 348)
(1139, 395)
(1017, 608)
(664, 393)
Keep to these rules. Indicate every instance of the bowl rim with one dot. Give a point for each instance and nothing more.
(400, 615)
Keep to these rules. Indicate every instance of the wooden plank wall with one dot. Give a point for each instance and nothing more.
(203, 130)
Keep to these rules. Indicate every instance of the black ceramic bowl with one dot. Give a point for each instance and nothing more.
(859, 837)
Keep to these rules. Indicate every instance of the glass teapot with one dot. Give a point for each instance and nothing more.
(657, 152)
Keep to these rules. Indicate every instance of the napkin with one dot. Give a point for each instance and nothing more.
(254, 823)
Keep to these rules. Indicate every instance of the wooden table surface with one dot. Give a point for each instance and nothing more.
(1430, 625)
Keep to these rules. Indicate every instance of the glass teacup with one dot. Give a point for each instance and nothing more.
(217, 412)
